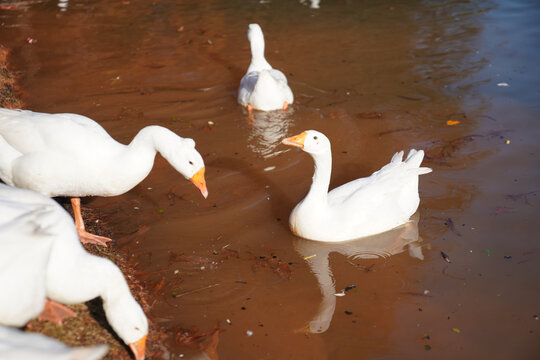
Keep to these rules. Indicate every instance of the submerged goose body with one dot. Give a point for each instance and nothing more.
(72, 155)
(362, 207)
(262, 87)
(42, 257)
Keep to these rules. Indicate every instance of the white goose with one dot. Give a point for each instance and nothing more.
(262, 88)
(362, 207)
(41, 256)
(72, 155)
(19, 345)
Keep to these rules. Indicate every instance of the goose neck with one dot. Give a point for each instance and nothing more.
(321, 176)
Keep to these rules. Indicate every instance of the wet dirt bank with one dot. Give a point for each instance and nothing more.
(9, 93)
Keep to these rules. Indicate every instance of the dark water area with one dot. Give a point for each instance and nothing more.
(376, 78)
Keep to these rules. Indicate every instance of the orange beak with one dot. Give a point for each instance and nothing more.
(297, 140)
(139, 348)
(199, 182)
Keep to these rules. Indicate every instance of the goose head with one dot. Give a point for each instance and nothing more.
(127, 319)
(311, 141)
(181, 154)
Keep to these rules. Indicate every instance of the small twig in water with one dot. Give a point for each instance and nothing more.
(196, 290)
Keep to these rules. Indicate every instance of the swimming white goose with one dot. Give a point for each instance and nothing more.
(19, 345)
(41, 256)
(72, 155)
(262, 88)
(362, 207)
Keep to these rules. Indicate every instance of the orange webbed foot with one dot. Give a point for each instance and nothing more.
(55, 312)
(87, 238)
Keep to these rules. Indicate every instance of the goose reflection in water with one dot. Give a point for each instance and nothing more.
(314, 4)
(382, 245)
(268, 128)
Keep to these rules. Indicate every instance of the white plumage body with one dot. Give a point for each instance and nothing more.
(362, 207)
(72, 155)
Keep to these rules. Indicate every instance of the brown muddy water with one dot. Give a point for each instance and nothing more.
(376, 77)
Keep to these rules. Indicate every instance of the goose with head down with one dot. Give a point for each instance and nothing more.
(359, 208)
(42, 257)
(72, 155)
(262, 87)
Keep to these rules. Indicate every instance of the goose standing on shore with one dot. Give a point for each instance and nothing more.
(72, 155)
(42, 257)
(262, 88)
(359, 208)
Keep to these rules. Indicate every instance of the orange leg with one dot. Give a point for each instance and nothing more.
(86, 237)
(250, 113)
(285, 105)
(55, 312)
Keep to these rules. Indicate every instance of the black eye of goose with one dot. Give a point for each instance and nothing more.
(191, 163)
(315, 137)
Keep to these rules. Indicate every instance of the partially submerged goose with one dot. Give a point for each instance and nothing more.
(362, 207)
(262, 87)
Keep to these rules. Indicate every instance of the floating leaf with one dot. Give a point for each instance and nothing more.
(427, 347)
(456, 330)
(488, 251)
(452, 122)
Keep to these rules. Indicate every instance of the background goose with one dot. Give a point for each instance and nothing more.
(72, 155)
(19, 345)
(262, 88)
(362, 207)
(41, 256)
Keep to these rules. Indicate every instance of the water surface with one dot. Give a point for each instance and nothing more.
(375, 77)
